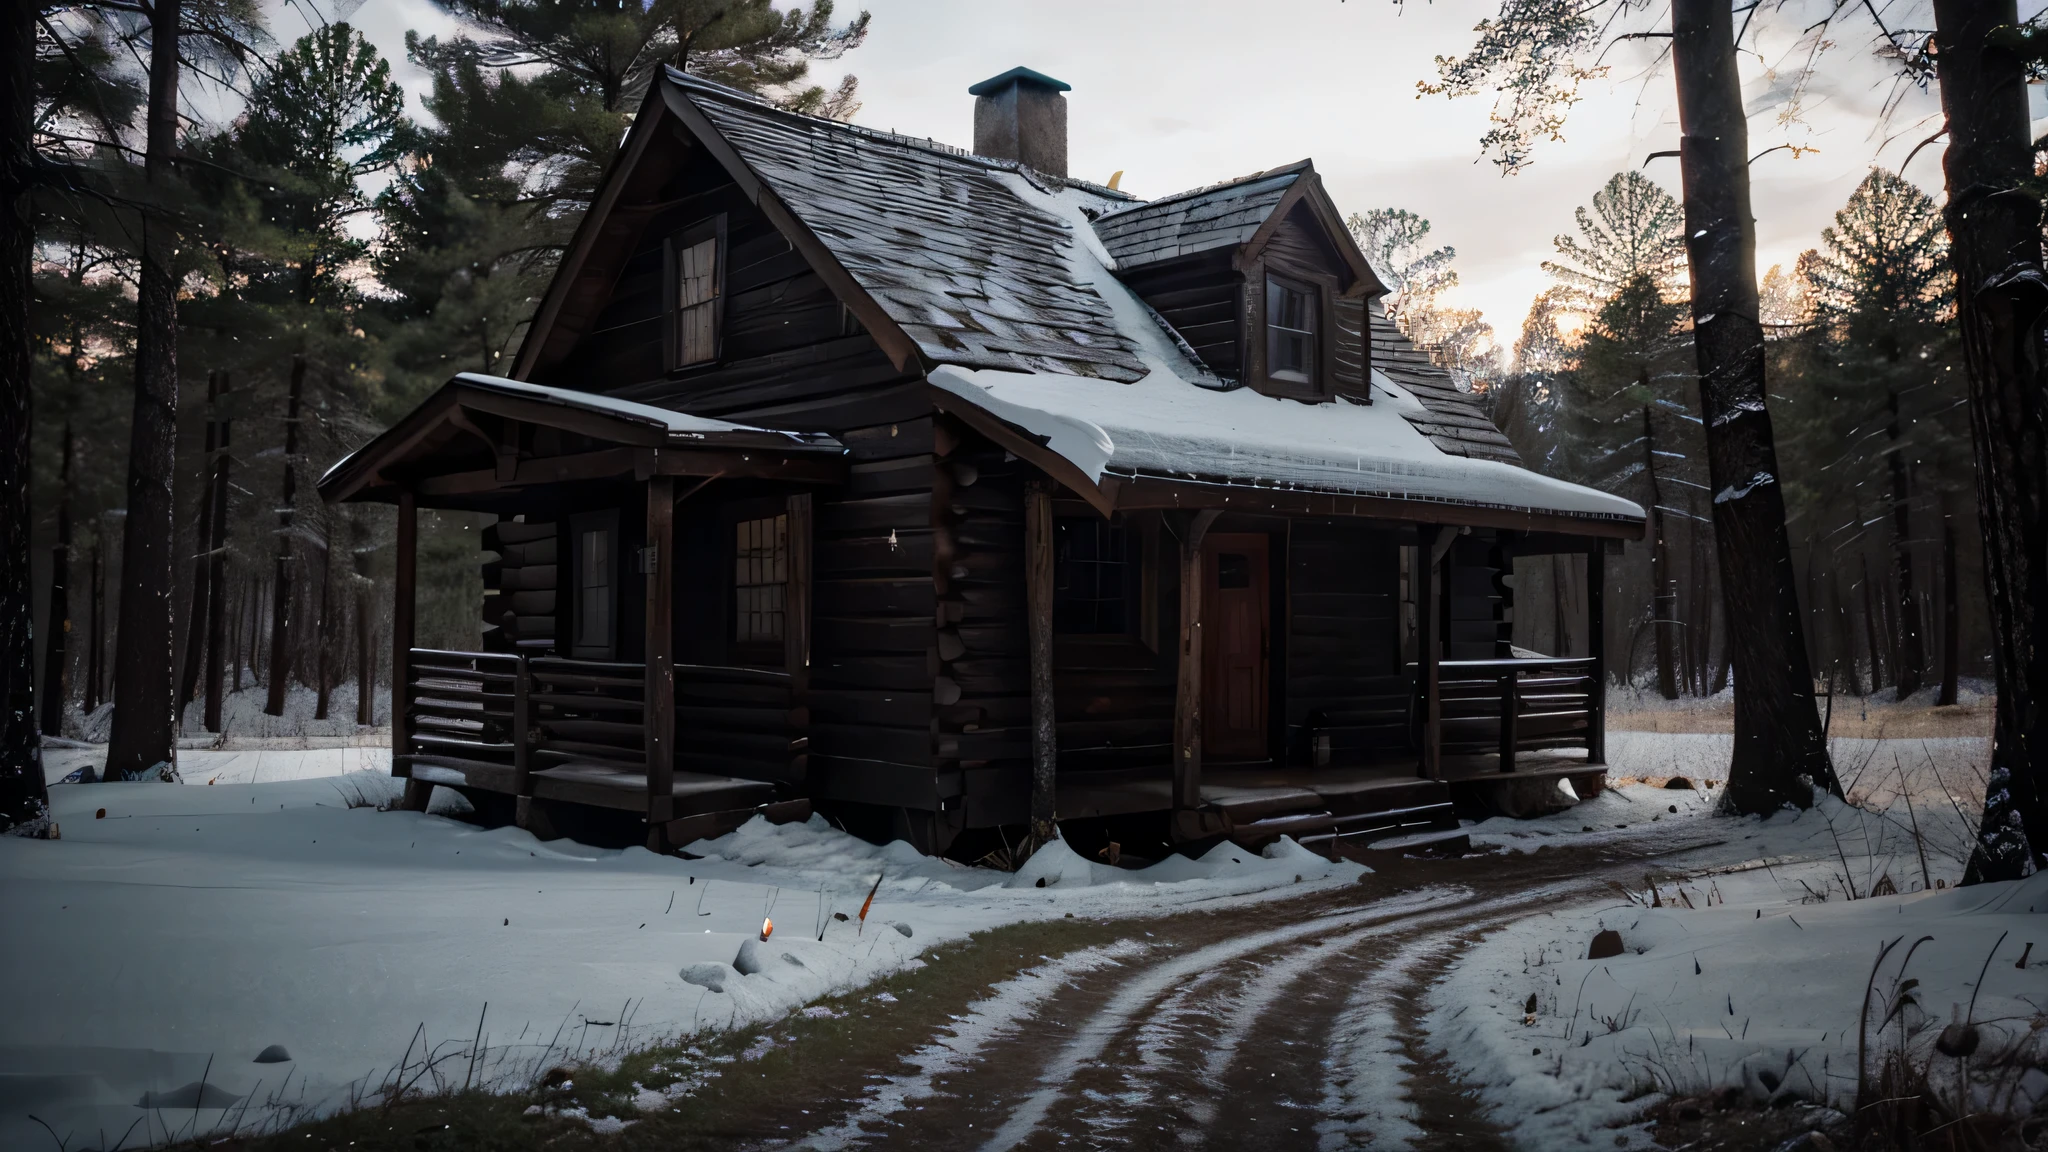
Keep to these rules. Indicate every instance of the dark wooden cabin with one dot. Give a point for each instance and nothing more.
(949, 494)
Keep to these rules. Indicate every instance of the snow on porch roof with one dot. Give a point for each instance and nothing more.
(603, 417)
(680, 426)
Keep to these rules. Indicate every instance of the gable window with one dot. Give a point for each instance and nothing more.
(1093, 577)
(594, 539)
(760, 575)
(696, 292)
(1292, 311)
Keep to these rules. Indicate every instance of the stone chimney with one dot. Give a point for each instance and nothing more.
(1020, 115)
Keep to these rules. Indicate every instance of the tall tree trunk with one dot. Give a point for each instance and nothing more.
(1778, 738)
(202, 559)
(1994, 230)
(241, 621)
(281, 587)
(217, 564)
(1911, 667)
(1870, 630)
(325, 628)
(144, 733)
(1951, 615)
(1845, 636)
(23, 798)
(95, 629)
(1662, 592)
(56, 665)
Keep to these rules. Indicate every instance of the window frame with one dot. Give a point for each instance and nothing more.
(1322, 290)
(755, 653)
(580, 524)
(1313, 334)
(711, 228)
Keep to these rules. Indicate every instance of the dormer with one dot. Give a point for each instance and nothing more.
(1259, 277)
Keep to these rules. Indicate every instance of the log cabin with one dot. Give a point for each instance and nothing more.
(954, 496)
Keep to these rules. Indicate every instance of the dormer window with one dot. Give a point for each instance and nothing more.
(696, 292)
(1291, 314)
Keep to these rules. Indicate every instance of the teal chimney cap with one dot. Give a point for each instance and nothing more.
(1014, 75)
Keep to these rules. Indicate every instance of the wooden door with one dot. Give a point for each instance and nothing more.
(1236, 619)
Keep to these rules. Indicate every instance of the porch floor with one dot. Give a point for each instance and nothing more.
(1258, 792)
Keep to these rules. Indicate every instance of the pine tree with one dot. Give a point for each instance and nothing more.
(1633, 230)
(1395, 241)
(1879, 290)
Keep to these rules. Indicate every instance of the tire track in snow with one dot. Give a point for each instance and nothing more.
(987, 1020)
(1094, 1035)
(1266, 986)
(1365, 1071)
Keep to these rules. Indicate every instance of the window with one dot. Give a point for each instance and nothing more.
(1291, 313)
(760, 570)
(1092, 577)
(696, 288)
(594, 538)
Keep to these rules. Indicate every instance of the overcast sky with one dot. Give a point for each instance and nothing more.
(1181, 93)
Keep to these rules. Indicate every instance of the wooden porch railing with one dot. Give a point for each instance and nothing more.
(491, 720)
(462, 716)
(1509, 706)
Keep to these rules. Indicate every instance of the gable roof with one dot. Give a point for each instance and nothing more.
(1220, 216)
(423, 438)
(1000, 286)
(942, 242)
(1241, 213)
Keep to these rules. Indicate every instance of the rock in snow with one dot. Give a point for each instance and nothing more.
(710, 976)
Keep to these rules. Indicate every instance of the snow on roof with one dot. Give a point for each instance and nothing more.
(1161, 427)
(1004, 278)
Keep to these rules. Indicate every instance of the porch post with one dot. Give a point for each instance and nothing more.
(658, 716)
(406, 555)
(1428, 642)
(1187, 703)
(796, 628)
(1038, 586)
(1596, 647)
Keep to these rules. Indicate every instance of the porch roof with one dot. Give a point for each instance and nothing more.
(477, 433)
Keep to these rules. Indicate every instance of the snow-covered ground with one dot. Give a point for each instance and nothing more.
(1748, 970)
(176, 937)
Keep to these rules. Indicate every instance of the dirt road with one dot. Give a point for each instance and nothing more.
(1293, 1025)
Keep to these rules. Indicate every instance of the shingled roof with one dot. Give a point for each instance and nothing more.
(941, 240)
(1220, 216)
(1001, 285)
(1455, 423)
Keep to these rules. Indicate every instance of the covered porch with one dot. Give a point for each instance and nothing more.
(1333, 668)
(578, 712)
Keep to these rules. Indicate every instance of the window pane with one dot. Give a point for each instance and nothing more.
(760, 566)
(697, 267)
(696, 317)
(593, 589)
(1091, 572)
(1290, 331)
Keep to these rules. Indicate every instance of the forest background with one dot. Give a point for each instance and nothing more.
(342, 255)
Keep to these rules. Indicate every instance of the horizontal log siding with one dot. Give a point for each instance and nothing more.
(872, 632)
(1473, 629)
(1203, 299)
(1343, 648)
(977, 517)
(789, 354)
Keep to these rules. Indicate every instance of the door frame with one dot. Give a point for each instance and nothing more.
(1214, 545)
